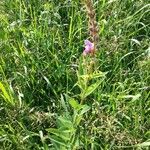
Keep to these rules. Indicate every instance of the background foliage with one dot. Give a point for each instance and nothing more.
(41, 43)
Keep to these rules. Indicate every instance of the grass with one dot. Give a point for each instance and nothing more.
(41, 82)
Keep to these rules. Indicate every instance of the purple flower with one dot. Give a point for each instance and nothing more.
(89, 47)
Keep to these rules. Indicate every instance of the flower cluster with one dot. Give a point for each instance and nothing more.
(89, 47)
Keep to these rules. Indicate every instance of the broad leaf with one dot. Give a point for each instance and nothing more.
(75, 104)
(91, 89)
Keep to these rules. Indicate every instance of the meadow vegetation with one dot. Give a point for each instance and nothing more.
(48, 98)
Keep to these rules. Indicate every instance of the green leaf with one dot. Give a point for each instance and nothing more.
(63, 103)
(144, 144)
(5, 94)
(64, 122)
(84, 109)
(90, 89)
(59, 133)
(74, 104)
(78, 119)
(58, 142)
(133, 97)
(81, 83)
(79, 116)
(136, 41)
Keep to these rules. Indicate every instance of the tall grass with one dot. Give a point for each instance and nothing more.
(42, 74)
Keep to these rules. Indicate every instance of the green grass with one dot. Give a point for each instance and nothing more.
(41, 45)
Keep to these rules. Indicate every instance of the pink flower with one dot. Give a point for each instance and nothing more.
(89, 47)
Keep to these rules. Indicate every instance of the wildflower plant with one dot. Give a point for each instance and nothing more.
(92, 23)
(67, 135)
(88, 71)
